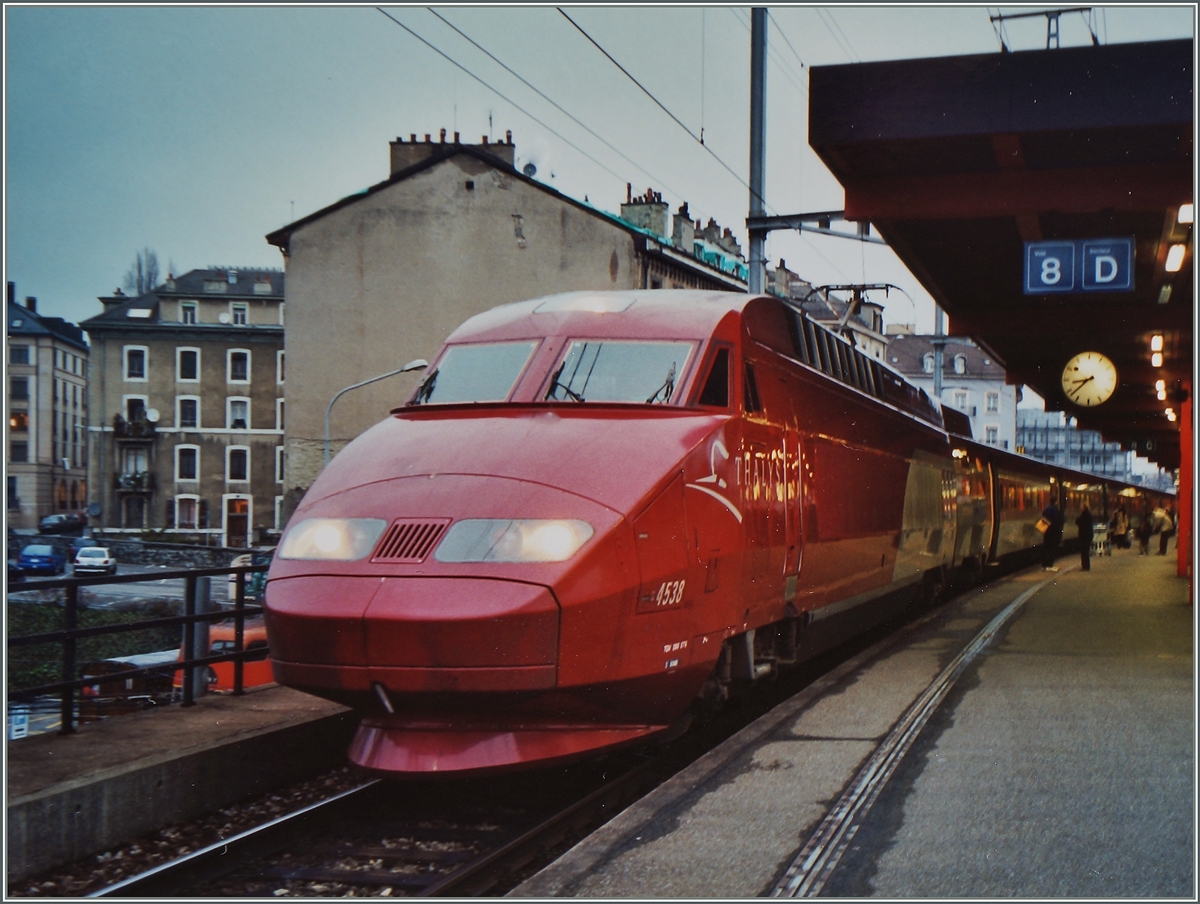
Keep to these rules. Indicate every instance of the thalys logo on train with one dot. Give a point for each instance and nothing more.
(713, 483)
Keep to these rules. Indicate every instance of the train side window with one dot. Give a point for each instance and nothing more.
(716, 387)
(796, 328)
(750, 390)
(257, 651)
(810, 336)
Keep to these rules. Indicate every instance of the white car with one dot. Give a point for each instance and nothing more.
(95, 559)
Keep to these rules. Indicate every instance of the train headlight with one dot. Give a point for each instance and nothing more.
(494, 540)
(337, 539)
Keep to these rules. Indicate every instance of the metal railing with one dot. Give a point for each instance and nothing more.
(71, 632)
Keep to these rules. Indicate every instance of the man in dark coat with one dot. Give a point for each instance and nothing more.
(1084, 523)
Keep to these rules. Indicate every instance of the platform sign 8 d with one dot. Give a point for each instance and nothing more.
(1084, 265)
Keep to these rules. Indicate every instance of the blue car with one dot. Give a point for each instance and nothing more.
(42, 559)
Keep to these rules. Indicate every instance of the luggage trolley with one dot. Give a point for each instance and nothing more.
(1100, 544)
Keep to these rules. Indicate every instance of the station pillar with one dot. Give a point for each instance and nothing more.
(1185, 516)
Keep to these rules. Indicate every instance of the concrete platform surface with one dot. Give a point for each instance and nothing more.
(1060, 764)
(73, 795)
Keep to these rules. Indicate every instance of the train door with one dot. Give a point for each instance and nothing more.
(793, 538)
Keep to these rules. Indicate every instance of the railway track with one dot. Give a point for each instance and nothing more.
(459, 838)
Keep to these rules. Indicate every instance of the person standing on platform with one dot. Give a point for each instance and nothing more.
(1144, 529)
(1084, 523)
(1119, 528)
(1166, 529)
(1053, 535)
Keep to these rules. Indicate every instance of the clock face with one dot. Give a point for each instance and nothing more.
(1089, 379)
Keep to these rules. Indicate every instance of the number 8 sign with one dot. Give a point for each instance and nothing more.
(1049, 267)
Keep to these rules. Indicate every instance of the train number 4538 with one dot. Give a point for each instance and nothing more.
(669, 593)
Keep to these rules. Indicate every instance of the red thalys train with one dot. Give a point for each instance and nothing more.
(601, 508)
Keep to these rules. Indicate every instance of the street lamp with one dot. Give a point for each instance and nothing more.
(418, 364)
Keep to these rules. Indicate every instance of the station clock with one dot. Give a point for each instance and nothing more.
(1089, 379)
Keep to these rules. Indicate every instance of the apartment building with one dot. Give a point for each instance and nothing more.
(45, 433)
(971, 382)
(188, 406)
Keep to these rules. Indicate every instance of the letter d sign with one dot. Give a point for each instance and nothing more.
(1107, 265)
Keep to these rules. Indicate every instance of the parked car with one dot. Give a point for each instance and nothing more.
(255, 583)
(65, 523)
(38, 558)
(95, 559)
(16, 574)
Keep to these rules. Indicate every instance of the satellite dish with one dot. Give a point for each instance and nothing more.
(537, 159)
(530, 169)
(224, 317)
(152, 415)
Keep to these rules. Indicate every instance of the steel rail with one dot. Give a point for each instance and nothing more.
(478, 876)
(820, 856)
(166, 879)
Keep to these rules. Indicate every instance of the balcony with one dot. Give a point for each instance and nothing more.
(139, 429)
(136, 482)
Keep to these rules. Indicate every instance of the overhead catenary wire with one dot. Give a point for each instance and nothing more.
(551, 101)
(500, 94)
(659, 103)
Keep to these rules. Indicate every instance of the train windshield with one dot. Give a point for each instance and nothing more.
(603, 370)
(475, 373)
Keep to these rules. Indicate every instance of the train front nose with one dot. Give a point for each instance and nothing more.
(343, 636)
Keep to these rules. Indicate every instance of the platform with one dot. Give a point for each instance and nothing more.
(73, 795)
(1061, 763)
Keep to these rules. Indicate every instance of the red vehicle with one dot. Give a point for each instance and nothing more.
(600, 510)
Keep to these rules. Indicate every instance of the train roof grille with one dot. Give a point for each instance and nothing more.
(409, 541)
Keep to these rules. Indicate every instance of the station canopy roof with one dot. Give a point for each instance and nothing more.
(959, 162)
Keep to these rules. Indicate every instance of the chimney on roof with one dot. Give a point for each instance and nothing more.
(31, 303)
(648, 211)
(404, 154)
(683, 233)
(508, 136)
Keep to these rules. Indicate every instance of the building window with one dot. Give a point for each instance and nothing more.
(18, 354)
(14, 501)
(135, 460)
(960, 364)
(992, 435)
(960, 400)
(238, 366)
(135, 409)
(280, 461)
(238, 414)
(237, 463)
(279, 367)
(18, 452)
(18, 389)
(279, 414)
(240, 314)
(187, 512)
(187, 412)
(187, 365)
(187, 313)
(993, 401)
(927, 362)
(18, 420)
(187, 463)
(135, 363)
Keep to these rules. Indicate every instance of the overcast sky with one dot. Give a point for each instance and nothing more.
(196, 131)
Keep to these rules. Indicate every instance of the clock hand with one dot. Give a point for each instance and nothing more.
(1084, 380)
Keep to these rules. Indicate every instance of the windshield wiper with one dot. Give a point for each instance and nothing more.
(666, 389)
(425, 390)
(554, 384)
